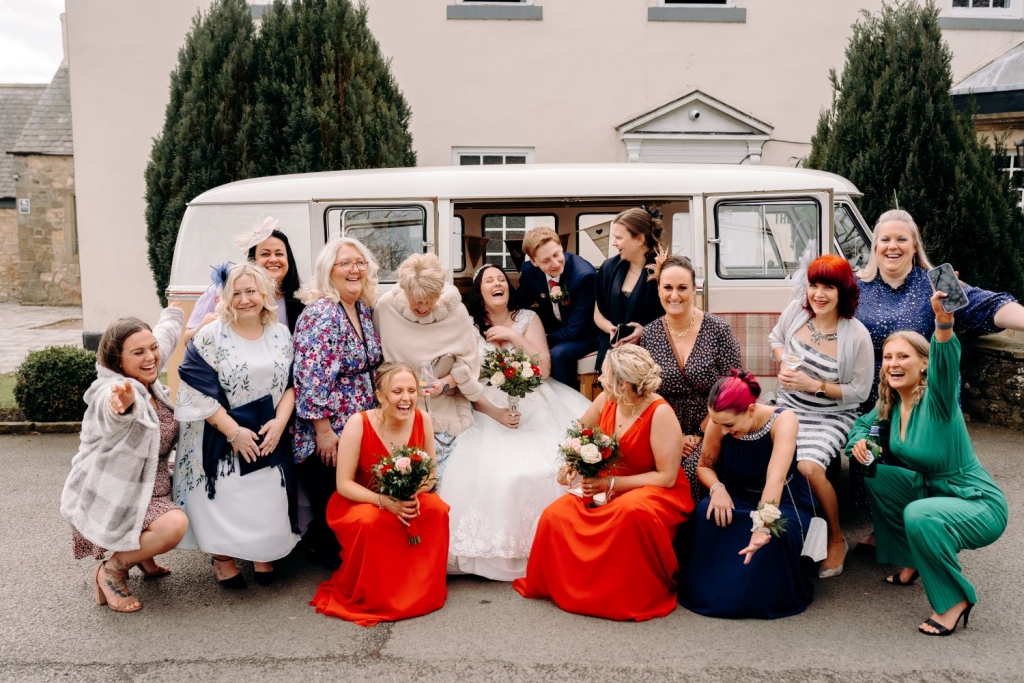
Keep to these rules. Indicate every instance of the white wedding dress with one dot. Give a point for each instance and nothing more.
(499, 480)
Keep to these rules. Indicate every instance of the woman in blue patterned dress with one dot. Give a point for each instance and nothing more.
(895, 295)
(337, 351)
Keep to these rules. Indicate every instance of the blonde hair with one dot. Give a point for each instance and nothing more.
(265, 285)
(382, 381)
(422, 277)
(538, 237)
(634, 366)
(885, 392)
(920, 258)
(323, 287)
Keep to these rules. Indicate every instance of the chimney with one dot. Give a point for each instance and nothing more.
(64, 37)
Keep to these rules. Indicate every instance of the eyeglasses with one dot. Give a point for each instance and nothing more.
(350, 265)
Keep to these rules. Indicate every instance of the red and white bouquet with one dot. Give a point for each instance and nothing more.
(588, 451)
(400, 474)
(512, 371)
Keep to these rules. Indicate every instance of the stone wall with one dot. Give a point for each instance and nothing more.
(10, 276)
(993, 381)
(50, 274)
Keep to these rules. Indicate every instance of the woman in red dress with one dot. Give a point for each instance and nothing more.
(617, 561)
(382, 577)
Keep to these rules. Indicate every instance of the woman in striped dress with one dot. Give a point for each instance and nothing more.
(827, 367)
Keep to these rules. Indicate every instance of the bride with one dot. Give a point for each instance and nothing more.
(502, 473)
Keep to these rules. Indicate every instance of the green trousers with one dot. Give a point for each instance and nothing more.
(923, 523)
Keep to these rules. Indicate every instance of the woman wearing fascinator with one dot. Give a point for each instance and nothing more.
(627, 299)
(502, 473)
(826, 373)
(267, 246)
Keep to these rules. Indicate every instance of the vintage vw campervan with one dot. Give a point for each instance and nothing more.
(744, 227)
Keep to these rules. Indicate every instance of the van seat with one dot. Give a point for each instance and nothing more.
(586, 365)
(751, 331)
(587, 370)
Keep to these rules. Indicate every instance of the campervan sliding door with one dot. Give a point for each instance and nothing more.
(754, 244)
(391, 230)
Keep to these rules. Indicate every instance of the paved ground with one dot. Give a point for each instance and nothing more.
(27, 328)
(856, 630)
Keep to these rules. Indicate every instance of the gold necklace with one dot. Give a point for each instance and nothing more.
(680, 335)
(384, 431)
(621, 418)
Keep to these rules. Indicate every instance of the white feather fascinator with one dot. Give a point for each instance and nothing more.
(799, 277)
(248, 240)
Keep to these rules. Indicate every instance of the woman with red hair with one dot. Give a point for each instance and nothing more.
(827, 370)
(739, 571)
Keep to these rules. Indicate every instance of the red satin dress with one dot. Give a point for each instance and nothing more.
(382, 577)
(614, 561)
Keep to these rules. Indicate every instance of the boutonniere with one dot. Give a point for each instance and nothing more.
(560, 295)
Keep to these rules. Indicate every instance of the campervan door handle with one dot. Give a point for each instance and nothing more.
(428, 244)
(714, 240)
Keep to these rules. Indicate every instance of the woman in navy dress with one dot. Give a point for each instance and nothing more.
(736, 571)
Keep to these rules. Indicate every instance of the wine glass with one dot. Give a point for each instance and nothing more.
(426, 378)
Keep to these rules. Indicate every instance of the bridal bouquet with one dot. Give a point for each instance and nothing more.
(400, 474)
(512, 371)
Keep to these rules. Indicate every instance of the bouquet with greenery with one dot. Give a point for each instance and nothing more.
(400, 474)
(512, 371)
(768, 516)
(588, 452)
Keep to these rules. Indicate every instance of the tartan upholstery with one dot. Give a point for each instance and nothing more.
(751, 331)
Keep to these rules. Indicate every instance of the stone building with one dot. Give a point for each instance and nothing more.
(44, 177)
(16, 105)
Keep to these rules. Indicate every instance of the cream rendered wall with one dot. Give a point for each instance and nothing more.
(560, 85)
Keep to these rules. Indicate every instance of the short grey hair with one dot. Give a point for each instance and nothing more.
(422, 277)
(322, 286)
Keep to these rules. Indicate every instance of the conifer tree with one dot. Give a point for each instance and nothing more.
(201, 145)
(325, 98)
(892, 129)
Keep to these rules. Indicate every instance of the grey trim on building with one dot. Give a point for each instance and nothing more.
(726, 15)
(980, 24)
(506, 12)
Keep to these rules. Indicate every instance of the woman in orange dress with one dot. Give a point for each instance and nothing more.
(382, 577)
(617, 561)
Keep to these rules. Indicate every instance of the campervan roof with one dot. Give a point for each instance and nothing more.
(525, 181)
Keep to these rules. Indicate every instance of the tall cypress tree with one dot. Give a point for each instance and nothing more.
(200, 146)
(325, 98)
(892, 129)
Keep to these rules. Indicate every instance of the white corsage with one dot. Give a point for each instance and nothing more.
(768, 518)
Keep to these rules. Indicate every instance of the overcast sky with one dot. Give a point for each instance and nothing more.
(30, 40)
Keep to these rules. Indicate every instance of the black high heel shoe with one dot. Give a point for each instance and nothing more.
(895, 580)
(942, 630)
(236, 582)
(264, 578)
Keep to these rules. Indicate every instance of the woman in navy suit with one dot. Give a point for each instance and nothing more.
(560, 288)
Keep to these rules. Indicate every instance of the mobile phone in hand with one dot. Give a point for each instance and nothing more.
(944, 279)
(622, 332)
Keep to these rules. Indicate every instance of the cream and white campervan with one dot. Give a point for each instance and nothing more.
(744, 227)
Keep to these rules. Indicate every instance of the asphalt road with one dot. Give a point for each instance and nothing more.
(857, 629)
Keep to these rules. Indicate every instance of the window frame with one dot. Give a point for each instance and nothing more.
(459, 152)
(1011, 12)
(424, 237)
(794, 199)
(483, 231)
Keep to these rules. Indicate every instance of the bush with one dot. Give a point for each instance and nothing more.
(49, 384)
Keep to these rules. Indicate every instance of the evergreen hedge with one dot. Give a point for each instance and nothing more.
(892, 129)
(310, 91)
(49, 384)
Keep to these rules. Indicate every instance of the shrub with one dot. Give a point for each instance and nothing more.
(49, 384)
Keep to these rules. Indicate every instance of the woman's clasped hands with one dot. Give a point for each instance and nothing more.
(797, 380)
(404, 510)
(244, 444)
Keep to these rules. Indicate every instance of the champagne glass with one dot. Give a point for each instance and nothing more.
(426, 380)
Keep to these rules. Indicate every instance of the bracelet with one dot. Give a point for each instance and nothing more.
(380, 505)
(943, 326)
(237, 432)
(611, 486)
(763, 529)
(711, 492)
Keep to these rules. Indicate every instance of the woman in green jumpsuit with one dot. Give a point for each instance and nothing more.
(946, 502)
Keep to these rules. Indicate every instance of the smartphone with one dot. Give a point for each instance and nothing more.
(944, 279)
(622, 332)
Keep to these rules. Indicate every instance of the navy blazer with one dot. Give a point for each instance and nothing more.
(578, 278)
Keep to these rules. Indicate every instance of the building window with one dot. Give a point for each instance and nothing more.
(982, 4)
(985, 8)
(1012, 169)
(511, 227)
(491, 156)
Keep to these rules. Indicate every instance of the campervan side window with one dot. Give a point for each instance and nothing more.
(764, 240)
(851, 241)
(390, 233)
(505, 234)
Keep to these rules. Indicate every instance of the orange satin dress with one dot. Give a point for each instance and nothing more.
(614, 561)
(382, 577)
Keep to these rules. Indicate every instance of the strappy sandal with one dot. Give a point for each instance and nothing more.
(895, 580)
(119, 599)
(155, 574)
(941, 630)
(236, 582)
